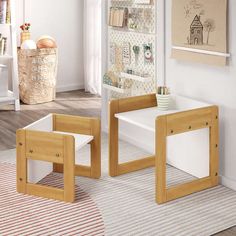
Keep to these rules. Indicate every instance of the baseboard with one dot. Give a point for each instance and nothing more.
(70, 87)
(229, 183)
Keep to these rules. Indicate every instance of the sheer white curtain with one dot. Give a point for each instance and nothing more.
(92, 45)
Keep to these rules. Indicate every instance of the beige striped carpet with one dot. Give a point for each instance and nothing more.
(125, 204)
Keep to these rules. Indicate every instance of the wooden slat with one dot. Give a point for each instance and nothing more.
(73, 124)
(21, 161)
(214, 147)
(137, 103)
(188, 121)
(96, 149)
(45, 191)
(81, 170)
(113, 138)
(69, 168)
(161, 159)
(136, 165)
(44, 146)
(188, 188)
(42, 157)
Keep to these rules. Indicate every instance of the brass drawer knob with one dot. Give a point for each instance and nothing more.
(31, 151)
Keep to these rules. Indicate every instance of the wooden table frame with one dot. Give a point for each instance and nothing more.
(60, 150)
(166, 125)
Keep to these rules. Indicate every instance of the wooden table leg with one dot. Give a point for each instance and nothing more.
(161, 160)
(113, 139)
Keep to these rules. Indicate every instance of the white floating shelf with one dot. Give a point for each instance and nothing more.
(125, 30)
(195, 50)
(5, 24)
(6, 57)
(9, 98)
(135, 77)
(115, 89)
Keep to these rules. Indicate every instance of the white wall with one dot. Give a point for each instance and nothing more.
(62, 20)
(211, 84)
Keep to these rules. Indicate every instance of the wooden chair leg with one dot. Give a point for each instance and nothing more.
(21, 161)
(96, 150)
(69, 169)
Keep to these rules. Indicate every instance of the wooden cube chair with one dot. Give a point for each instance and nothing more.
(50, 144)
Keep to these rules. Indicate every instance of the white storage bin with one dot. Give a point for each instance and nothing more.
(3, 80)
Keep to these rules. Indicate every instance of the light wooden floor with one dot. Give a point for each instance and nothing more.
(74, 103)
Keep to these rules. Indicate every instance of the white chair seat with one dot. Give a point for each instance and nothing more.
(80, 139)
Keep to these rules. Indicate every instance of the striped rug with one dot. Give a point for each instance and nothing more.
(27, 215)
(126, 204)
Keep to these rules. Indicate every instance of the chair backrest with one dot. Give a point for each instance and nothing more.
(44, 124)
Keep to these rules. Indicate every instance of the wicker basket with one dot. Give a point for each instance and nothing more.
(37, 75)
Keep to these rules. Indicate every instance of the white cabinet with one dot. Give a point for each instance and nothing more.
(9, 69)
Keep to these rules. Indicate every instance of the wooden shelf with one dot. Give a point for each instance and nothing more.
(135, 77)
(115, 89)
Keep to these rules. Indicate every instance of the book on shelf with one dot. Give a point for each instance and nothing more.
(5, 12)
(8, 16)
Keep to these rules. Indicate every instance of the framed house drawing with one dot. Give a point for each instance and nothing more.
(199, 31)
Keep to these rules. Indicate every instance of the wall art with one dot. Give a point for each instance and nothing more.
(199, 31)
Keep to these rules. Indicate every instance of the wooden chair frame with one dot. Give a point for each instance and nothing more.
(60, 150)
(166, 125)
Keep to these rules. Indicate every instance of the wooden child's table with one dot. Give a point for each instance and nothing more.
(185, 115)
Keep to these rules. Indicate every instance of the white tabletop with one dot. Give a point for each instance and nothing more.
(145, 118)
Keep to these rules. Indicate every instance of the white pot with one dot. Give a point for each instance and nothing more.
(163, 102)
(3, 81)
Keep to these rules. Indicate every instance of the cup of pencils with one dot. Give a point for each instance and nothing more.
(163, 98)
